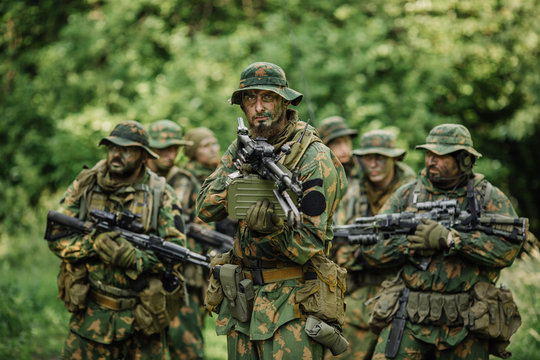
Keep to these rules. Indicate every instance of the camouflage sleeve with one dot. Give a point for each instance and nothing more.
(393, 251)
(212, 199)
(76, 247)
(484, 249)
(186, 193)
(171, 223)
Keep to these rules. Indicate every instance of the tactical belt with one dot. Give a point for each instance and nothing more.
(264, 276)
(111, 303)
(111, 290)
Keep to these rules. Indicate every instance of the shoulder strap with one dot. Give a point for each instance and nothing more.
(298, 149)
(416, 194)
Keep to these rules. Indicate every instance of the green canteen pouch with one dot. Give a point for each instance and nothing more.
(214, 293)
(157, 307)
(238, 291)
(386, 303)
(242, 192)
(323, 297)
(73, 286)
(327, 335)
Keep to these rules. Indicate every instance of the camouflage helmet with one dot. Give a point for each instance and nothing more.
(448, 138)
(334, 127)
(165, 133)
(129, 133)
(265, 76)
(382, 142)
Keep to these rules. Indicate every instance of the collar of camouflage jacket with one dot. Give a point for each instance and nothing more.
(458, 192)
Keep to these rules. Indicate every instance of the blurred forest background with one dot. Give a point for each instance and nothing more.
(70, 70)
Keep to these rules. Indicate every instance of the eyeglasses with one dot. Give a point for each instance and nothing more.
(250, 98)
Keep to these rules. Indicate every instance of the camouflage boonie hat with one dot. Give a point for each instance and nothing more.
(382, 142)
(334, 127)
(129, 133)
(165, 133)
(195, 136)
(265, 76)
(448, 138)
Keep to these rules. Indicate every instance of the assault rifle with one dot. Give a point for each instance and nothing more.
(369, 230)
(221, 242)
(259, 154)
(130, 229)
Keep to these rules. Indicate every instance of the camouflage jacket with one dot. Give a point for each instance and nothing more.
(98, 323)
(274, 302)
(475, 255)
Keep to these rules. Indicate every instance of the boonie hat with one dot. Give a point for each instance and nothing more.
(382, 142)
(334, 127)
(448, 138)
(129, 133)
(265, 76)
(165, 133)
(195, 136)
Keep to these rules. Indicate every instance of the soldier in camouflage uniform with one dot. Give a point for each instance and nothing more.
(271, 252)
(185, 330)
(381, 173)
(443, 267)
(102, 275)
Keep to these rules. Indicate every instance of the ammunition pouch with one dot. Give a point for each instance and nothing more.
(424, 307)
(110, 302)
(214, 292)
(323, 296)
(327, 335)
(386, 303)
(238, 290)
(494, 316)
(157, 307)
(73, 286)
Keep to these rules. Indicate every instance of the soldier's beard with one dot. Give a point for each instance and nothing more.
(447, 182)
(269, 129)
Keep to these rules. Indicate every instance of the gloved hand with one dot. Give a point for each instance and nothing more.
(428, 235)
(114, 249)
(262, 218)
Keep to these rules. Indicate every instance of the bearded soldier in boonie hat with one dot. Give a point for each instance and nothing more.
(265, 76)
(129, 133)
(275, 275)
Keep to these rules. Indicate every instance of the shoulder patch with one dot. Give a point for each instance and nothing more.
(311, 183)
(313, 204)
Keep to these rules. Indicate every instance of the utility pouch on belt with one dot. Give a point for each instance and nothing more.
(494, 316)
(323, 297)
(386, 303)
(157, 307)
(239, 291)
(73, 286)
(327, 335)
(214, 292)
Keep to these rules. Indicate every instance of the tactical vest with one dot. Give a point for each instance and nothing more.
(143, 200)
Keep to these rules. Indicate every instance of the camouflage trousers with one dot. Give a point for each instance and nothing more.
(290, 341)
(139, 346)
(186, 340)
(471, 348)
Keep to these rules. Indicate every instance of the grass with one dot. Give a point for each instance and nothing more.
(34, 323)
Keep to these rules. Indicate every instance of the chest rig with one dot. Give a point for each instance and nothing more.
(143, 200)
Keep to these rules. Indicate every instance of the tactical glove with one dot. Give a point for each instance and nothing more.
(262, 218)
(428, 235)
(114, 249)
